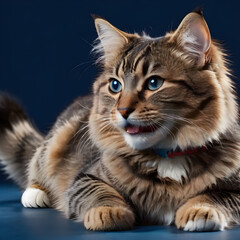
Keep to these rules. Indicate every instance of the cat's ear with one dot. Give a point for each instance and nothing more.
(194, 36)
(111, 39)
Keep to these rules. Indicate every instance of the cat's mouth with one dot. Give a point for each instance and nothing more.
(135, 129)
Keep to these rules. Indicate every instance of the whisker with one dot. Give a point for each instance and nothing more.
(85, 107)
(81, 64)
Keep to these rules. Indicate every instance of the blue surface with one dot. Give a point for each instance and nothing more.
(17, 222)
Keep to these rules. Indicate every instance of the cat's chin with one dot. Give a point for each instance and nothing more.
(143, 140)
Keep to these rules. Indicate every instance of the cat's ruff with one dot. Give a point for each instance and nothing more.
(172, 163)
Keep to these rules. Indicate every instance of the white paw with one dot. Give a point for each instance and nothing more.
(201, 219)
(35, 198)
(203, 225)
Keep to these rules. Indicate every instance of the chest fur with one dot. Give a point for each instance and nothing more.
(154, 202)
(176, 169)
(156, 198)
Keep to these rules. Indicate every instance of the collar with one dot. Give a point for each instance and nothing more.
(167, 153)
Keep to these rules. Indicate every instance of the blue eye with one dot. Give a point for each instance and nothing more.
(115, 86)
(154, 83)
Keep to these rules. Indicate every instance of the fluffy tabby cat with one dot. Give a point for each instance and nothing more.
(157, 142)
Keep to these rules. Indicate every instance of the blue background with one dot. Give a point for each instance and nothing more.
(45, 46)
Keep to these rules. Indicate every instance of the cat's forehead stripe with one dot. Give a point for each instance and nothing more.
(142, 54)
(117, 68)
(145, 67)
(137, 62)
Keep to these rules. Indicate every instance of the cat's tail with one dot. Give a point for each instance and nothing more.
(18, 139)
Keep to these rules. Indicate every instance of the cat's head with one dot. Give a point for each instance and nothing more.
(161, 92)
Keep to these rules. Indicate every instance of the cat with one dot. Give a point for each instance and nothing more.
(158, 141)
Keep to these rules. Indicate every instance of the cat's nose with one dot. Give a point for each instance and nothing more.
(125, 112)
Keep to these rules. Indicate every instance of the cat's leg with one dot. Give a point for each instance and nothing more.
(209, 212)
(98, 205)
(35, 196)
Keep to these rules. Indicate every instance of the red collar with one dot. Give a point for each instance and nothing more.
(165, 153)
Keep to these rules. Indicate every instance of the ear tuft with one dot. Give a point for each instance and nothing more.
(111, 39)
(194, 36)
(94, 16)
(198, 10)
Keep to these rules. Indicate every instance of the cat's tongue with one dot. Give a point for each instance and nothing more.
(133, 129)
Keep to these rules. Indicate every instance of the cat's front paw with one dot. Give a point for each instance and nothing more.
(200, 218)
(35, 198)
(109, 218)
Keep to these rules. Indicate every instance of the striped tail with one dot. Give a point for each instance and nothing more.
(18, 140)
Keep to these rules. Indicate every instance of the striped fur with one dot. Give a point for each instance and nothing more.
(18, 140)
(98, 164)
